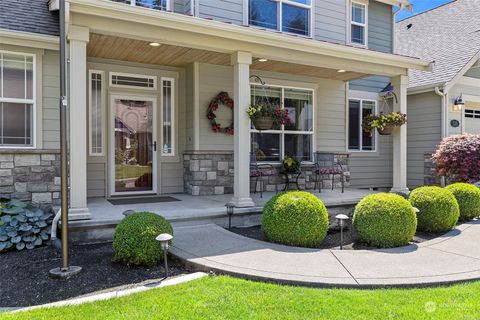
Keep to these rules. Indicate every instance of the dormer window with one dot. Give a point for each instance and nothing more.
(358, 23)
(290, 16)
(152, 4)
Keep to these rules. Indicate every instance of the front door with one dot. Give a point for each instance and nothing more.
(133, 156)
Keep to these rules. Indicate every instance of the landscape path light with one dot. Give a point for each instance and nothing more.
(164, 240)
(341, 220)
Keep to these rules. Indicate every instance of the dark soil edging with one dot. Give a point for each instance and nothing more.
(25, 280)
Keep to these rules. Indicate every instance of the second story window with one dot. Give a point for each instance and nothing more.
(292, 16)
(152, 4)
(358, 24)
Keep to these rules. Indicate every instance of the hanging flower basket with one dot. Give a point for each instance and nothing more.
(263, 123)
(265, 116)
(386, 131)
(384, 123)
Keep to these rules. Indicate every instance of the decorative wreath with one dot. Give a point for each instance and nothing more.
(222, 99)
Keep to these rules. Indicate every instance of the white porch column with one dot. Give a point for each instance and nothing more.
(400, 83)
(241, 62)
(78, 38)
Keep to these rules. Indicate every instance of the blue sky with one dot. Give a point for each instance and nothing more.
(420, 6)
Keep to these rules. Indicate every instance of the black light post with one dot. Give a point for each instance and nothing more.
(341, 219)
(230, 209)
(164, 240)
(65, 270)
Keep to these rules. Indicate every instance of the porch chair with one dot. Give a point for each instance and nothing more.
(327, 164)
(259, 170)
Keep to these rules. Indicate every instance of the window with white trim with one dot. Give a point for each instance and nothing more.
(152, 4)
(17, 99)
(96, 112)
(359, 139)
(358, 23)
(295, 139)
(168, 117)
(292, 16)
(133, 81)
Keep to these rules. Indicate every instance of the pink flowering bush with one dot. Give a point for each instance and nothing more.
(458, 158)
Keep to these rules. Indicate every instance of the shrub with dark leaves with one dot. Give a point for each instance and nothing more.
(458, 158)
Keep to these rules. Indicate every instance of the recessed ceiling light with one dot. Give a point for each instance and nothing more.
(154, 44)
(262, 60)
(342, 71)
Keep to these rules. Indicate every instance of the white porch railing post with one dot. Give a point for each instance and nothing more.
(400, 83)
(78, 38)
(241, 62)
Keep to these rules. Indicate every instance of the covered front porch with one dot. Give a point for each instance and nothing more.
(194, 59)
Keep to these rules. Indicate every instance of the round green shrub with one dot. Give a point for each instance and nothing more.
(134, 239)
(385, 220)
(468, 198)
(295, 218)
(438, 209)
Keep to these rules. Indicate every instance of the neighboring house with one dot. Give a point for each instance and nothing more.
(142, 74)
(449, 35)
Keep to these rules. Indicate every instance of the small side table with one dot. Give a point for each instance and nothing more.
(289, 176)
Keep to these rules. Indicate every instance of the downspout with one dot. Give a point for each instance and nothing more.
(394, 21)
(444, 105)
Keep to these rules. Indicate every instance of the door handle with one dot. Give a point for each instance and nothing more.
(154, 145)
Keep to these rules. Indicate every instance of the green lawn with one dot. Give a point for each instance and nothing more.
(130, 171)
(229, 298)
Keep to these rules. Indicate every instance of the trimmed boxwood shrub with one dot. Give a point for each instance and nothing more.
(295, 218)
(134, 239)
(385, 220)
(438, 209)
(468, 198)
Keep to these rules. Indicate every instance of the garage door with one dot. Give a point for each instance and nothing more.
(472, 121)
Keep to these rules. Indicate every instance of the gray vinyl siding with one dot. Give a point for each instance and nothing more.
(96, 179)
(222, 10)
(212, 80)
(181, 6)
(375, 169)
(189, 99)
(330, 20)
(370, 84)
(51, 93)
(424, 133)
(473, 73)
(380, 27)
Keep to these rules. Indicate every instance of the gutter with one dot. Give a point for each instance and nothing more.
(443, 93)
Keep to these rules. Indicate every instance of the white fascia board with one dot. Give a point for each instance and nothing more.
(28, 39)
(199, 26)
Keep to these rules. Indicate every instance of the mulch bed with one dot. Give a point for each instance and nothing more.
(332, 240)
(25, 281)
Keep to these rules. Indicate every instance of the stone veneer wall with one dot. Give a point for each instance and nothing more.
(211, 173)
(208, 172)
(30, 175)
(430, 177)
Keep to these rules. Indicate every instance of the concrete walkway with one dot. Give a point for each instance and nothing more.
(454, 257)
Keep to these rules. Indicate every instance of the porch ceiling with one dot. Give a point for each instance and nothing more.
(133, 50)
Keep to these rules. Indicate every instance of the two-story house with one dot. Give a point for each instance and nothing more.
(142, 75)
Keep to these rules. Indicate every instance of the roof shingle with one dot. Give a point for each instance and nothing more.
(28, 16)
(449, 35)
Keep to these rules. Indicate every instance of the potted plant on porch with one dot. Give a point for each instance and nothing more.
(384, 123)
(265, 116)
(290, 165)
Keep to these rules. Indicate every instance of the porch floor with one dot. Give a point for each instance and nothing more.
(198, 207)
